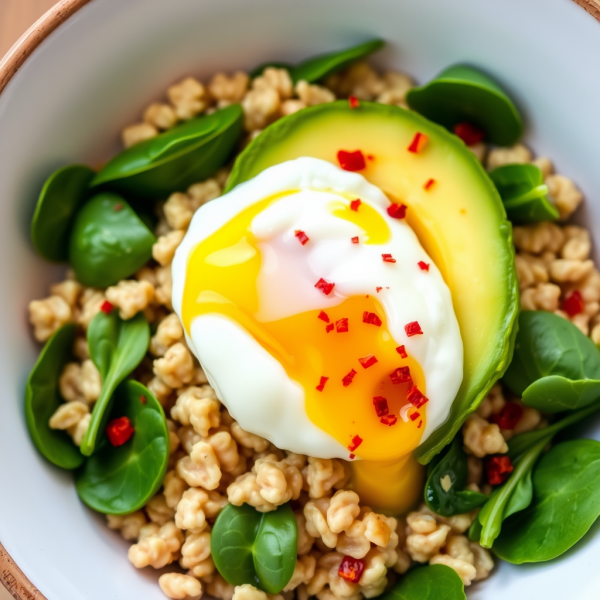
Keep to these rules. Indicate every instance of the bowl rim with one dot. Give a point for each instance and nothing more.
(11, 576)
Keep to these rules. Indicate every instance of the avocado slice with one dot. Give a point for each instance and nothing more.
(460, 220)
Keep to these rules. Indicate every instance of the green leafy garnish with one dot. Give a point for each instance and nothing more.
(432, 582)
(175, 159)
(120, 480)
(256, 548)
(116, 347)
(108, 241)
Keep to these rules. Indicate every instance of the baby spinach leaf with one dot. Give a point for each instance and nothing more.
(256, 548)
(177, 158)
(524, 193)
(108, 242)
(566, 489)
(116, 347)
(432, 582)
(556, 394)
(62, 195)
(120, 480)
(444, 490)
(463, 94)
(42, 398)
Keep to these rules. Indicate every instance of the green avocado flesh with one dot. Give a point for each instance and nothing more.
(460, 221)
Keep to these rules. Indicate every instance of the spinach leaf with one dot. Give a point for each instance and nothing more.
(177, 158)
(432, 582)
(108, 241)
(116, 347)
(62, 195)
(42, 398)
(256, 548)
(556, 394)
(120, 480)
(524, 193)
(463, 94)
(444, 490)
(566, 489)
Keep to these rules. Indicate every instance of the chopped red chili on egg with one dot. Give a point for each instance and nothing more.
(378, 289)
(329, 327)
(420, 423)
(323, 316)
(381, 406)
(400, 375)
(322, 383)
(302, 237)
(351, 569)
(389, 420)
(413, 328)
(414, 416)
(143, 399)
(324, 286)
(423, 266)
(418, 143)
(347, 380)
(355, 239)
(371, 318)
(118, 206)
(429, 184)
(509, 416)
(367, 361)
(401, 350)
(470, 134)
(388, 258)
(351, 161)
(119, 431)
(351, 456)
(573, 304)
(497, 469)
(397, 211)
(415, 397)
(353, 101)
(107, 307)
(341, 325)
(355, 204)
(356, 442)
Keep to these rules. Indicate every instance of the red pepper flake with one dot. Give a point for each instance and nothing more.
(470, 134)
(143, 399)
(414, 416)
(341, 325)
(347, 380)
(329, 327)
(573, 304)
(389, 420)
(423, 266)
(353, 101)
(371, 318)
(418, 143)
(302, 237)
(322, 383)
(119, 431)
(323, 316)
(397, 211)
(351, 161)
(401, 350)
(107, 307)
(356, 442)
(509, 416)
(351, 569)
(413, 328)
(415, 397)
(420, 423)
(370, 157)
(118, 206)
(354, 239)
(367, 361)
(400, 375)
(497, 469)
(351, 456)
(378, 289)
(381, 406)
(388, 258)
(324, 286)
(429, 184)
(355, 204)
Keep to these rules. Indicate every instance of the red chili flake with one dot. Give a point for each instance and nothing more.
(423, 266)
(353, 101)
(322, 383)
(497, 469)
(351, 569)
(414, 416)
(117, 207)
(370, 157)
(378, 289)
(323, 316)
(351, 456)
(354, 239)
(367, 361)
(400, 375)
(415, 397)
(302, 237)
(347, 380)
(389, 420)
(418, 142)
(419, 425)
(371, 318)
(413, 328)
(329, 327)
(341, 325)
(351, 161)
(355, 204)
(106, 307)
(470, 134)
(401, 350)
(573, 304)
(509, 416)
(388, 258)
(397, 211)
(381, 406)
(356, 442)
(119, 431)
(429, 184)
(143, 399)
(324, 286)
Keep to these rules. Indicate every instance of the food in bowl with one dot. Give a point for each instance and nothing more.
(248, 376)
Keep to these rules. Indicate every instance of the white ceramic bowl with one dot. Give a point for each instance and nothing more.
(96, 72)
